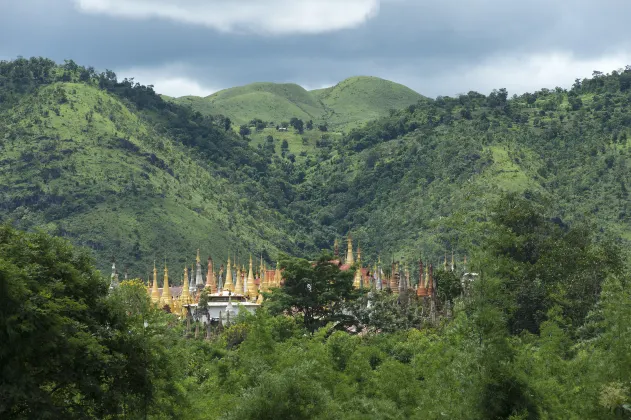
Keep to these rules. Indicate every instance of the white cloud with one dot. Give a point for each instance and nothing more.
(518, 74)
(260, 16)
(170, 80)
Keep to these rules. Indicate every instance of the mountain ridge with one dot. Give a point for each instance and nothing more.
(276, 102)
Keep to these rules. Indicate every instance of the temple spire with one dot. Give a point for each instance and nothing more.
(238, 287)
(211, 281)
(166, 291)
(114, 279)
(349, 250)
(228, 284)
(199, 280)
(252, 292)
(453, 261)
(155, 293)
(185, 297)
(445, 263)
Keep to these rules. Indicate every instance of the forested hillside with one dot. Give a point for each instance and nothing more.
(412, 181)
(113, 167)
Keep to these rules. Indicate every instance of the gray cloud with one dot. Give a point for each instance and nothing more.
(435, 47)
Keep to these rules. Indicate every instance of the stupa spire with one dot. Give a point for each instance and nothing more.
(211, 281)
(228, 284)
(252, 292)
(155, 293)
(349, 251)
(166, 291)
(185, 298)
(238, 287)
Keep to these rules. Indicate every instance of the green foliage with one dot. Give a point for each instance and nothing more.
(68, 350)
(315, 290)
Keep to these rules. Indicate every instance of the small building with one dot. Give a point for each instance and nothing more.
(222, 305)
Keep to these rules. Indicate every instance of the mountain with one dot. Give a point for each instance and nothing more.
(416, 182)
(114, 168)
(357, 100)
(343, 106)
(117, 169)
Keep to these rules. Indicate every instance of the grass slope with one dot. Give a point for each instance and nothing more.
(356, 100)
(344, 106)
(270, 102)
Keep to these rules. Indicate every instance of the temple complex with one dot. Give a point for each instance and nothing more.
(232, 287)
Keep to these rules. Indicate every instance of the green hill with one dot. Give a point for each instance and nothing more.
(343, 106)
(416, 181)
(97, 162)
(115, 168)
(357, 100)
(269, 102)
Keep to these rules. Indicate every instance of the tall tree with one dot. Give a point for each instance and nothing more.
(317, 290)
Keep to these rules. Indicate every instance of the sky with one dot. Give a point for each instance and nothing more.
(436, 47)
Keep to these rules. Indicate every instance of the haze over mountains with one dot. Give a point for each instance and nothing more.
(114, 167)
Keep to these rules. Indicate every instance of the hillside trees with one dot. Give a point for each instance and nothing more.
(65, 349)
(317, 291)
(544, 262)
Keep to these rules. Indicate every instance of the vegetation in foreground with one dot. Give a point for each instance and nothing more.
(542, 334)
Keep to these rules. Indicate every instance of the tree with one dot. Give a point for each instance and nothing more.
(67, 350)
(227, 124)
(310, 125)
(323, 127)
(544, 262)
(316, 290)
(284, 145)
(244, 130)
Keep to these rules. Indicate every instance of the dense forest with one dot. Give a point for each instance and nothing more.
(542, 333)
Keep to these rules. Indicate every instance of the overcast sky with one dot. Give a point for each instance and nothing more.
(436, 47)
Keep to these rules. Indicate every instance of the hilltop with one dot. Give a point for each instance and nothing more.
(346, 105)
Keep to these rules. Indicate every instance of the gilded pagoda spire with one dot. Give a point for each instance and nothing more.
(166, 291)
(238, 287)
(185, 298)
(252, 292)
(228, 284)
(155, 293)
(211, 281)
(349, 251)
